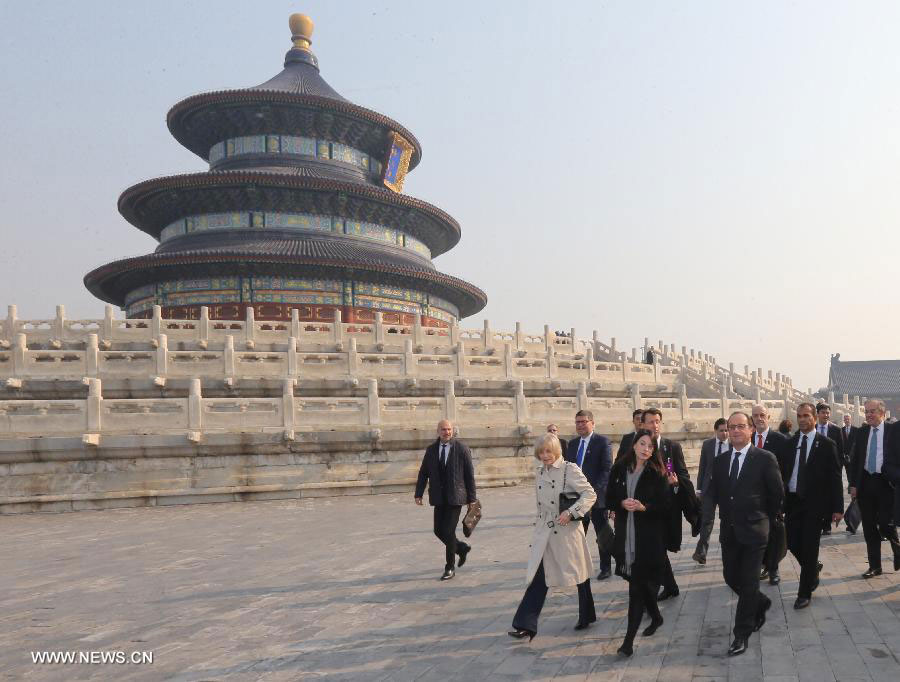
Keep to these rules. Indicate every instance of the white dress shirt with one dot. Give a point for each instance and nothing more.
(764, 434)
(810, 437)
(742, 457)
(879, 448)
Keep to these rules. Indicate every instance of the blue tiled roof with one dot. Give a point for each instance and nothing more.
(873, 378)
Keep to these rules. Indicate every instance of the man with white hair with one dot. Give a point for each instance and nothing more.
(871, 488)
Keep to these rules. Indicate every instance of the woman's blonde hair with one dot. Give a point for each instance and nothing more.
(547, 441)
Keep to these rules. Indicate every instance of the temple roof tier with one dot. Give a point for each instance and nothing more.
(153, 204)
(201, 121)
(283, 256)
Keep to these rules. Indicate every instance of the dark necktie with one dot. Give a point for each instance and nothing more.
(719, 449)
(443, 455)
(733, 476)
(801, 472)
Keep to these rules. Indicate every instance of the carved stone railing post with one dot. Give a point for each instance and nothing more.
(374, 416)
(337, 327)
(786, 397)
(612, 346)
(109, 321)
(94, 405)
(379, 327)
(757, 394)
(547, 341)
(521, 403)
(250, 327)
(92, 355)
(831, 398)
(460, 359)
(508, 360)
(454, 333)
(857, 420)
(683, 400)
(572, 339)
(203, 331)
(846, 399)
(450, 400)
(724, 399)
(656, 369)
(162, 356)
(410, 368)
(156, 322)
(228, 357)
(59, 324)
(195, 409)
(353, 358)
(20, 347)
(487, 340)
(295, 324)
(11, 322)
(625, 373)
(581, 396)
(520, 337)
(292, 356)
(418, 336)
(551, 362)
(589, 361)
(287, 407)
(635, 390)
(634, 354)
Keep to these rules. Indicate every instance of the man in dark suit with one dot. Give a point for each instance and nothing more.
(832, 431)
(554, 429)
(628, 438)
(711, 448)
(593, 455)
(871, 488)
(891, 468)
(765, 438)
(747, 487)
(447, 469)
(811, 472)
(686, 498)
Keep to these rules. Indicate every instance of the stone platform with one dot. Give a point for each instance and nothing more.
(347, 588)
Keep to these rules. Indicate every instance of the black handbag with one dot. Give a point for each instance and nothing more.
(777, 539)
(852, 516)
(566, 500)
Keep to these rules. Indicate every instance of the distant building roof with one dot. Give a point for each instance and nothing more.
(875, 378)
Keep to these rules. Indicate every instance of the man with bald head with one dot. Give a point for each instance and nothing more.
(447, 469)
(765, 438)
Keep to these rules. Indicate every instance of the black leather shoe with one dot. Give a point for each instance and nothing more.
(653, 627)
(764, 574)
(820, 566)
(463, 553)
(521, 634)
(801, 603)
(666, 594)
(826, 531)
(448, 573)
(626, 649)
(699, 558)
(738, 646)
(580, 625)
(871, 573)
(897, 563)
(604, 574)
(774, 578)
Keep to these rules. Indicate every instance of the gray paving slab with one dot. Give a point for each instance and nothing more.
(347, 588)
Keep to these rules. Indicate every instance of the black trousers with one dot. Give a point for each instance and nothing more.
(599, 517)
(703, 540)
(446, 518)
(803, 526)
(741, 565)
(876, 507)
(669, 577)
(529, 610)
(770, 557)
(641, 597)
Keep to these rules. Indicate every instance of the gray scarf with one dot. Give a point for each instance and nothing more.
(631, 479)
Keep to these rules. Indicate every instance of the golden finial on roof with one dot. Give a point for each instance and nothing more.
(301, 31)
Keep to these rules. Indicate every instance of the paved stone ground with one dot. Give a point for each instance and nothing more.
(347, 588)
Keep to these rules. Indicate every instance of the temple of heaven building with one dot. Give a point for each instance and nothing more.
(302, 207)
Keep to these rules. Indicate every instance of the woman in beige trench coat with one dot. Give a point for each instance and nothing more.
(560, 555)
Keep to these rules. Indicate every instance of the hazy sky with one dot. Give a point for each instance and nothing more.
(721, 175)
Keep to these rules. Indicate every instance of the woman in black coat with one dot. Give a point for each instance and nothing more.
(640, 496)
